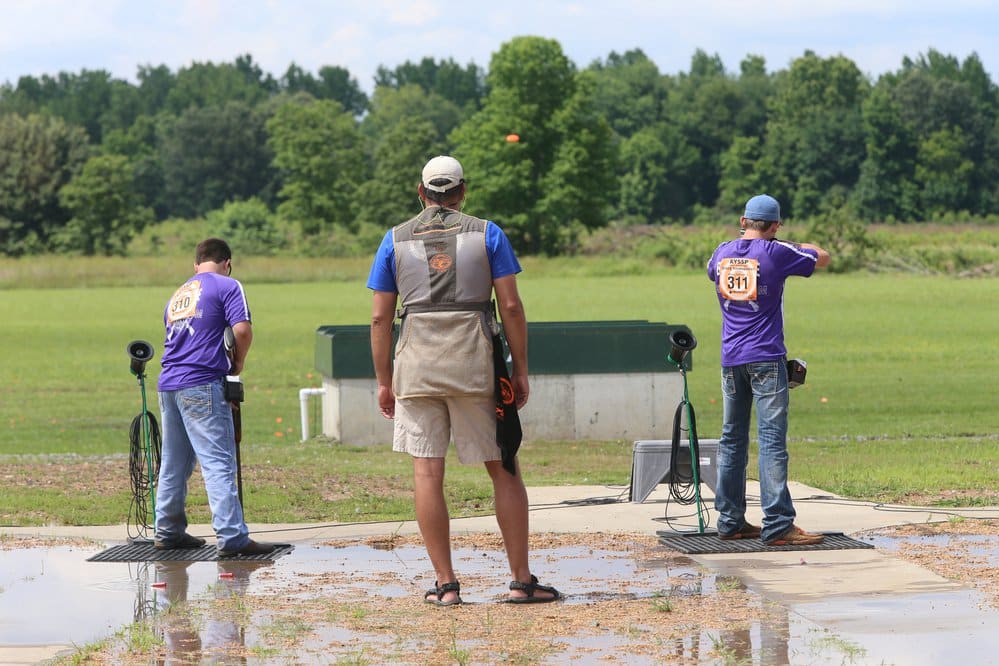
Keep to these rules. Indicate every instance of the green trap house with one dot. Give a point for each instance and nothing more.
(589, 380)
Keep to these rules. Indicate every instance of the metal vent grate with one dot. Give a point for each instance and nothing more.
(146, 552)
(703, 544)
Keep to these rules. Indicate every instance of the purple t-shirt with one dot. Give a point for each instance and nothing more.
(502, 260)
(196, 317)
(749, 280)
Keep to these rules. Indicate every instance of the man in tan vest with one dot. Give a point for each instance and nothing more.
(443, 266)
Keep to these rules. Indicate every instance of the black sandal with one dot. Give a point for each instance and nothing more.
(435, 596)
(530, 588)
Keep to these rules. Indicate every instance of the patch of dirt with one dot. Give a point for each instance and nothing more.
(102, 476)
(14, 542)
(963, 497)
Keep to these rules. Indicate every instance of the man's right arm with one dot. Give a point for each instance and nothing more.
(823, 258)
(243, 333)
(382, 316)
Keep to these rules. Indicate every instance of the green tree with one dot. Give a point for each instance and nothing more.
(814, 139)
(391, 107)
(209, 84)
(462, 86)
(155, 84)
(576, 191)
(943, 172)
(755, 87)
(91, 99)
(559, 173)
(886, 187)
(23, 99)
(630, 92)
(741, 173)
(321, 155)
(704, 105)
(248, 226)
(654, 163)
(211, 155)
(989, 192)
(38, 156)
(843, 235)
(140, 143)
(401, 150)
(334, 83)
(105, 211)
(936, 93)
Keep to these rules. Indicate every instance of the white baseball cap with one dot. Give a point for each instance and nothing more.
(442, 173)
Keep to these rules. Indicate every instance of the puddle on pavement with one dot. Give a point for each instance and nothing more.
(53, 596)
(932, 628)
(975, 545)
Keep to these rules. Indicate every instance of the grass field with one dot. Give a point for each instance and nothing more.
(900, 400)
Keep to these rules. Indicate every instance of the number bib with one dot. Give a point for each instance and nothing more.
(184, 302)
(737, 279)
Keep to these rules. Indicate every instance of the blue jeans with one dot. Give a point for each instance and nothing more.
(197, 427)
(764, 384)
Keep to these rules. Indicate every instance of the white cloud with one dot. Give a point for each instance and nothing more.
(48, 36)
(417, 13)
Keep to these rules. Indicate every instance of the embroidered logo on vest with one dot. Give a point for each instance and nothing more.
(441, 262)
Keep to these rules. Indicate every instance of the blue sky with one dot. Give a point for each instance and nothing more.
(47, 36)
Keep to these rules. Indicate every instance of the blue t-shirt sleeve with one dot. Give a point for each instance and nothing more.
(502, 260)
(382, 275)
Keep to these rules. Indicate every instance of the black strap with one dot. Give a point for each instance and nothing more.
(508, 430)
(484, 306)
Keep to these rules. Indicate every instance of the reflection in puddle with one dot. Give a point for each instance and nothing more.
(320, 604)
(361, 604)
(214, 634)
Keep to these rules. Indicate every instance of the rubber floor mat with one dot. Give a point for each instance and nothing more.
(702, 544)
(144, 551)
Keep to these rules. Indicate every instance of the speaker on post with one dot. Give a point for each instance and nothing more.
(681, 344)
(140, 352)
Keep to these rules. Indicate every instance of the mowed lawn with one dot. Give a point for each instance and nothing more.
(888, 355)
(900, 367)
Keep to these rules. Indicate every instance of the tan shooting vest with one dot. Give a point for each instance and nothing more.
(445, 286)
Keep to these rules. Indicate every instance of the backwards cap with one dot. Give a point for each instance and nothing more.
(442, 173)
(762, 207)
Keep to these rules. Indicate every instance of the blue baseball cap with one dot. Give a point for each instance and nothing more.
(762, 207)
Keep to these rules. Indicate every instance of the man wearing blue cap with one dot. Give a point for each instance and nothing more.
(749, 276)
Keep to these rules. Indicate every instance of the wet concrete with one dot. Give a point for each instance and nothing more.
(844, 607)
(53, 601)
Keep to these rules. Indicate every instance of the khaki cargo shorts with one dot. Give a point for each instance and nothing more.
(424, 427)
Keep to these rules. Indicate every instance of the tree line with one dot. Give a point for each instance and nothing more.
(551, 151)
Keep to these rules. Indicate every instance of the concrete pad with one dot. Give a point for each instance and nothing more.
(31, 654)
(793, 577)
(581, 509)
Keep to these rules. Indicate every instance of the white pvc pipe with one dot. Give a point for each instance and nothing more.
(303, 400)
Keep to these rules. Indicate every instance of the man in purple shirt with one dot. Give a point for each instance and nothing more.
(749, 276)
(197, 419)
